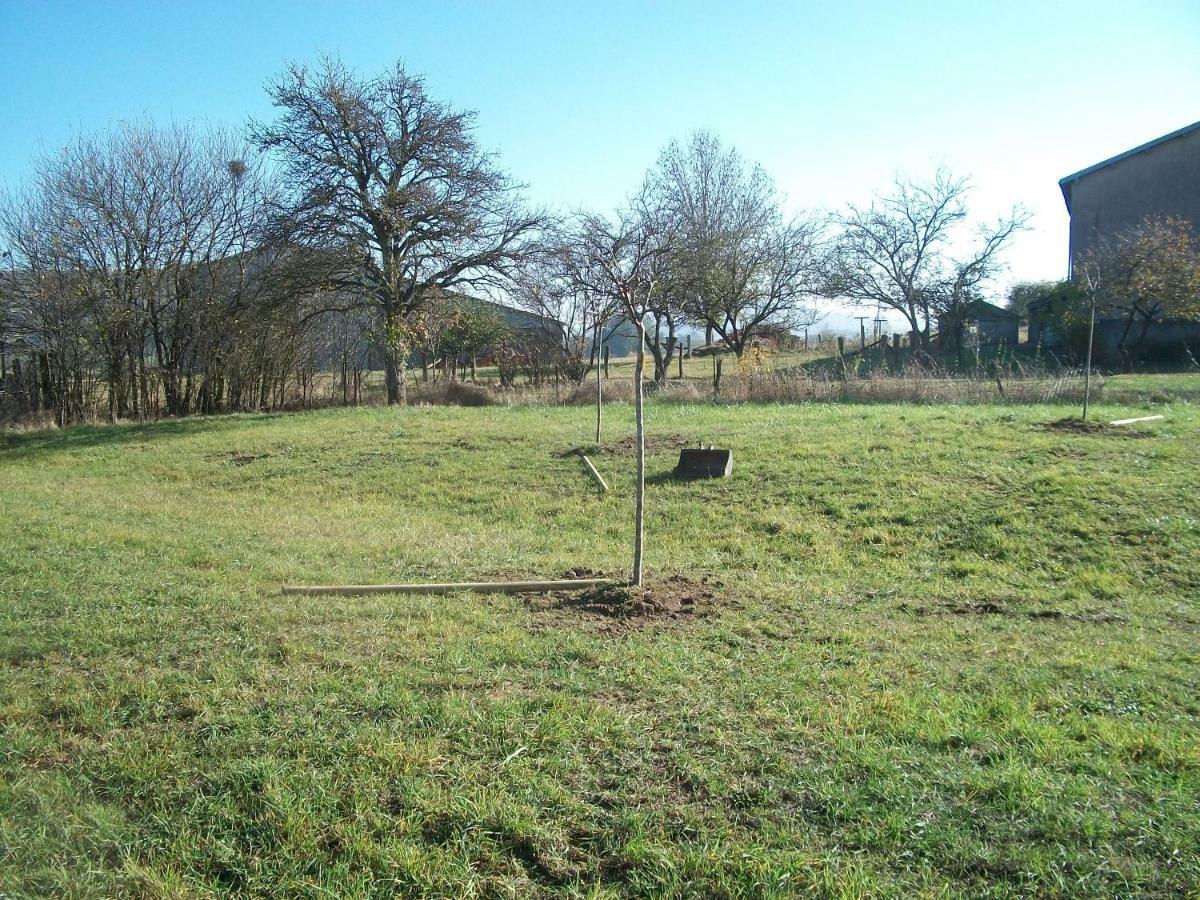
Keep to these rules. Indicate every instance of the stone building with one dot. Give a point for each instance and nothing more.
(1159, 178)
(983, 321)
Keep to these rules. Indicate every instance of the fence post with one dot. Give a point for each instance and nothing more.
(717, 378)
(681, 360)
(842, 356)
(605, 360)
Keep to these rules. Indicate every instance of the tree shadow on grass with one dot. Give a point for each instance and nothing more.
(671, 476)
(15, 445)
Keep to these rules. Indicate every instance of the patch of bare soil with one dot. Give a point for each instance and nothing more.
(244, 459)
(1000, 608)
(620, 608)
(1072, 425)
(627, 446)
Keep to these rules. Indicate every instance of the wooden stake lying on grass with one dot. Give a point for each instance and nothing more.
(599, 479)
(479, 587)
(1138, 419)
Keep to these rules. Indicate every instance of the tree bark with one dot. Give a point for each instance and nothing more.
(391, 378)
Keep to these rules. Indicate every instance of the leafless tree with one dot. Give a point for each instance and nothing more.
(547, 287)
(739, 267)
(153, 239)
(618, 260)
(393, 190)
(903, 251)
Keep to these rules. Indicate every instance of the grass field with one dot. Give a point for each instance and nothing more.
(942, 651)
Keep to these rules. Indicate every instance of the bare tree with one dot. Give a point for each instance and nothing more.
(739, 267)
(547, 287)
(900, 251)
(393, 189)
(150, 237)
(618, 261)
(550, 287)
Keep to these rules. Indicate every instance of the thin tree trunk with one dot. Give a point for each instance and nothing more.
(599, 403)
(640, 494)
(1087, 372)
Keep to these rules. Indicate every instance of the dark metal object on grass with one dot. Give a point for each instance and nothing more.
(704, 462)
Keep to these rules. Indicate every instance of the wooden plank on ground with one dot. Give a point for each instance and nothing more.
(1138, 419)
(595, 474)
(479, 587)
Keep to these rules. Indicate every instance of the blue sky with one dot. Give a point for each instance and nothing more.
(832, 97)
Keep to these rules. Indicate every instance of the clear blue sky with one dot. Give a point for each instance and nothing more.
(832, 97)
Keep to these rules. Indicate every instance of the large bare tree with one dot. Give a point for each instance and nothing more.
(393, 190)
(906, 251)
(739, 265)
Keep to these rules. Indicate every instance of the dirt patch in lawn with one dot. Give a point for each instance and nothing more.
(1003, 608)
(620, 608)
(244, 459)
(628, 445)
(1071, 425)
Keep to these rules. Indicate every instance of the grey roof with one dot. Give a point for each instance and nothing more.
(981, 309)
(1065, 183)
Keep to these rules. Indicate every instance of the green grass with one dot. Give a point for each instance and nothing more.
(957, 654)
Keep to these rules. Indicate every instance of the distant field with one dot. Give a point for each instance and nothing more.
(696, 382)
(941, 650)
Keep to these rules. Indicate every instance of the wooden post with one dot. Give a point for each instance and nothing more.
(805, 338)
(606, 360)
(639, 506)
(599, 402)
(717, 377)
(842, 356)
(896, 354)
(1087, 372)
(681, 360)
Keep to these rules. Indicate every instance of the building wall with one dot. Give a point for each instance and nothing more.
(999, 331)
(991, 329)
(1163, 180)
(1170, 343)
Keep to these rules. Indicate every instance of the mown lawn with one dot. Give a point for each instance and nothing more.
(952, 652)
